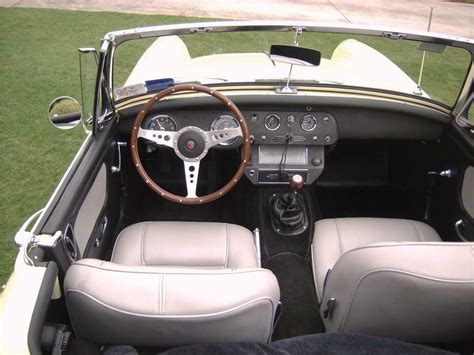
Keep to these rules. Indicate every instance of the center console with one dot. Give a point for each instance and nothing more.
(288, 143)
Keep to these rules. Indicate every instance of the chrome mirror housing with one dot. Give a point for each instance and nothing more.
(65, 112)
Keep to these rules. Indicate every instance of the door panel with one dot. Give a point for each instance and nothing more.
(452, 208)
(91, 194)
(467, 191)
(90, 210)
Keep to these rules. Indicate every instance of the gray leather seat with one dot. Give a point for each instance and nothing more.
(174, 283)
(393, 278)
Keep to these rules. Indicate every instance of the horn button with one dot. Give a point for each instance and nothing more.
(191, 144)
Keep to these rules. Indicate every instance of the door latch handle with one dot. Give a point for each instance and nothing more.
(116, 169)
(458, 226)
(100, 238)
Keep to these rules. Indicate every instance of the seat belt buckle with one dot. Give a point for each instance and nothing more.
(330, 305)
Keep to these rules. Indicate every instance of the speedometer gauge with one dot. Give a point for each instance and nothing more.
(162, 123)
(225, 122)
(308, 123)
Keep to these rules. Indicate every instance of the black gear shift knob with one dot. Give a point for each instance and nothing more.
(296, 182)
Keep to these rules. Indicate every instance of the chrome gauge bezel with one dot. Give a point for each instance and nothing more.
(315, 123)
(162, 115)
(266, 121)
(232, 140)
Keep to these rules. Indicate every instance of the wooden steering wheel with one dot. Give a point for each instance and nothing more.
(191, 145)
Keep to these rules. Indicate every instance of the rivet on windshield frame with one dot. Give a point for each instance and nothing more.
(136, 164)
(133, 146)
(211, 92)
(180, 200)
(147, 181)
(220, 193)
(245, 161)
(192, 87)
(162, 194)
(228, 104)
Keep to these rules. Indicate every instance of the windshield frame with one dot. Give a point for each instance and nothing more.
(113, 39)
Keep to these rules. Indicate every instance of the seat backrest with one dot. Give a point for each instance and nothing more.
(157, 306)
(420, 292)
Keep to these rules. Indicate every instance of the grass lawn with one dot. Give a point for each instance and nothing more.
(39, 61)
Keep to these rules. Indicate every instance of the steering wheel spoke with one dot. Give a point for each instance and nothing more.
(158, 137)
(191, 172)
(221, 135)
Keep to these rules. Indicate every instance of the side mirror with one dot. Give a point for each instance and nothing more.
(295, 55)
(65, 112)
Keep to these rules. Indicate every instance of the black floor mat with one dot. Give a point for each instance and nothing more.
(383, 201)
(299, 313)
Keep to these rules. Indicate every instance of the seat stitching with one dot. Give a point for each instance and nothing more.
(416, 230)
(142, 259)
(339, 236)
(226, 258)
(158, 295)
(161, 294)
(164, 294)
(193, 316)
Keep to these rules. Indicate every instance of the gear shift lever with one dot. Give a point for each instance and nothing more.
(296, 183)
(288, 209)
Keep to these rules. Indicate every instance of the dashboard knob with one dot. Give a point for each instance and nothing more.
(251, 139)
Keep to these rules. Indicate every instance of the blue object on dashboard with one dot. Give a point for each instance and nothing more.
(159, 84)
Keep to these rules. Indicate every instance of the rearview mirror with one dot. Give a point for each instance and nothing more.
(295, 55)
(65, 112)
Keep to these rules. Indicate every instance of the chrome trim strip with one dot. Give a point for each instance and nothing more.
(118, 37)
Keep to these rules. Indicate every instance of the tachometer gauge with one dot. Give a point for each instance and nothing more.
(308, 123)
(223, 122)
(272, 122)
(162, 123)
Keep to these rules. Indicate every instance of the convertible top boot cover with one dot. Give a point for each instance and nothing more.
(419, 291)
(215, 295)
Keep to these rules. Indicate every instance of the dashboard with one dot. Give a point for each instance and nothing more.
(283, 142)
(290, 134)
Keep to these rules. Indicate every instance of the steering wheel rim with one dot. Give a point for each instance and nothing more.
(172, 140)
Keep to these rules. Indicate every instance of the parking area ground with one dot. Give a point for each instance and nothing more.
(455, 18)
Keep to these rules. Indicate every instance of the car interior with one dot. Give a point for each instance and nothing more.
(351, 217)
(214, 215)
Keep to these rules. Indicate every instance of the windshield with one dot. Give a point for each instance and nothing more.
(242, 57)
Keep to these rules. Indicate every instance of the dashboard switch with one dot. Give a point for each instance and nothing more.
(251, 139)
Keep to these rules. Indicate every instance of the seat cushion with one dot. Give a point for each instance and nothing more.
(334, 237)
(186, 244)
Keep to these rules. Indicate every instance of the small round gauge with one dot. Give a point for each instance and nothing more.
(223, 122)
(162, 123)
(272, 122)
(308, 123)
